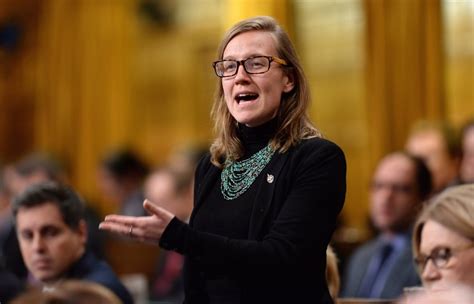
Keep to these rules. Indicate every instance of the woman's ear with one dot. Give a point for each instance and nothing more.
(289, 82)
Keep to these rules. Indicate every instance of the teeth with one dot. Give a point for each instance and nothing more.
(246, 97)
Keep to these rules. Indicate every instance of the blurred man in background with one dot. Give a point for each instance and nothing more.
(30, 170)
(120, 179)
(438, 145)
(384, 266)
(173, 190)
(52, 233)
(467, 144)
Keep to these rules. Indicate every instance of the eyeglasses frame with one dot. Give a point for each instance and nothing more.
(242, 63)
(423, 259)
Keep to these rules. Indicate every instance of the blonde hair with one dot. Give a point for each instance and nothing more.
(332, 273)
(70, 292)
(453, 208)
(292, 119)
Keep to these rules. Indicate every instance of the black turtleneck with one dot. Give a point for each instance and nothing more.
(256, 138)
(231, 218)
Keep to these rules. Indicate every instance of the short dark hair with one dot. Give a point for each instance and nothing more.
(423, 176)
(40, 162)
(69, 203)
(125, 163)
(448, 133)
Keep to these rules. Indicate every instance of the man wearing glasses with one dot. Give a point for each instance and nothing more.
(384, 266)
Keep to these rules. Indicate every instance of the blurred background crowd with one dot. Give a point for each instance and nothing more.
(113, 98)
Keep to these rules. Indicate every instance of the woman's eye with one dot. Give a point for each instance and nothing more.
(257, 64)
(229, 66)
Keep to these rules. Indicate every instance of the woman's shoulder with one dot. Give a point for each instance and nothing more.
(204, 162)
(317, 145)
(316, 151)
(313, 154)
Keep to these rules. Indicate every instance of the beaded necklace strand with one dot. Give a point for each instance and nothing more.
(238, 176)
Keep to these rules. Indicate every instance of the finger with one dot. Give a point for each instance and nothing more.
(121, 219)
(155, 210)
(130, 231)
(115, 228)
(149, 206)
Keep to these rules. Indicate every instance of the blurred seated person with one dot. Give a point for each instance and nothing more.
(70, 292)
(467, 144)
(455, 294)
(120, 179)
(438, 145)
(16, 177)
(382, 267)
(30, 170)
(10, 285)
(185, 159)
(173, 191)
(5, 213)
(332, 273)
(52, 234)
(443, 240)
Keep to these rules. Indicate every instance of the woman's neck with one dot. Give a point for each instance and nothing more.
(256, 138)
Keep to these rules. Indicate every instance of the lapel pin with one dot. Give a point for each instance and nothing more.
(270, 178)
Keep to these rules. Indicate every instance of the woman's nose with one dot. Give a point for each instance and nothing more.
(242, 74)
(431, 272)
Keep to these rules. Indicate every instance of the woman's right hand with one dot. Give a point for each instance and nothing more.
(143, 228)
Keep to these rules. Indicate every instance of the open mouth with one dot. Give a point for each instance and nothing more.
(244, 97)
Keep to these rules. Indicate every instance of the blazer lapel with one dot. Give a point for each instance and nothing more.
(264, 197)
(208, 181)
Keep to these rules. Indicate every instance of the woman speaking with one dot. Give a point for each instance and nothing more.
(267, 195)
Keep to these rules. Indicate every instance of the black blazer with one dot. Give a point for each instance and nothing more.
(283, 260)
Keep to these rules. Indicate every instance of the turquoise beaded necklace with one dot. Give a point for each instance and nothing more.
(238, 176)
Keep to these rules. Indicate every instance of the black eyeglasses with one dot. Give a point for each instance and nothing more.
(252, 65)
(439, 256)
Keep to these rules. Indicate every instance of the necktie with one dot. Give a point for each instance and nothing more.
(374, 270)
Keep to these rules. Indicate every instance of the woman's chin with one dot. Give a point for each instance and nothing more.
(440, 287)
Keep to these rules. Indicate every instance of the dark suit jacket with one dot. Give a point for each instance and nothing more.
(10, 285)
(283, 260)
(403, 273)
(11, 255)
(89, 268)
